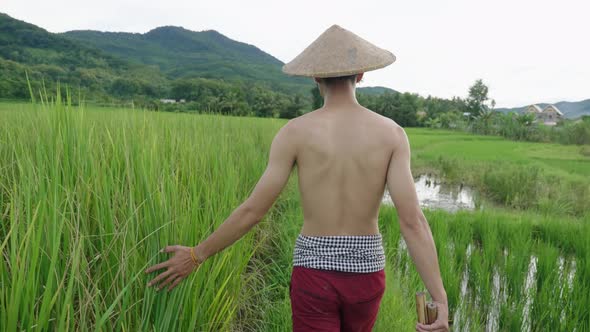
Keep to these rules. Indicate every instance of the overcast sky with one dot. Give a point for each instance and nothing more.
(526, 51)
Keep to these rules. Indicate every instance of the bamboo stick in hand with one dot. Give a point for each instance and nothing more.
(421, 307)
(431, 312)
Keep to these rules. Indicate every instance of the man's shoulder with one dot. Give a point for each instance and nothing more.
(294, 124)
(387, 122)
(292, 130)
(396, 128)
(392, 129)
(306, 116)
(301, 122)
(298, 124)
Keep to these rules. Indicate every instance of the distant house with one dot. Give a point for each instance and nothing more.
(549, 116)
(534, 109)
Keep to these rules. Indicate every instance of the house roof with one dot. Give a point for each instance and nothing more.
(554, 108)
(536, 108)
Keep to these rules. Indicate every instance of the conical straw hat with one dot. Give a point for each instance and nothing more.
(338, 52)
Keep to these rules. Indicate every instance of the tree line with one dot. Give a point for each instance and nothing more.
(474, 114)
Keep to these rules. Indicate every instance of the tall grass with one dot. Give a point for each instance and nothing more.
(503, 241)
(88, 196)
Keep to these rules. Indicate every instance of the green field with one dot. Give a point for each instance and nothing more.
(89, 196)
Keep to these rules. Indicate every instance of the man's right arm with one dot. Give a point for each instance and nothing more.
(413, 224)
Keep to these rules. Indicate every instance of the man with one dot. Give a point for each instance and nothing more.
(346, 155)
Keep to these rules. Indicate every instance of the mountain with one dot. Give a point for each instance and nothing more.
(165, 62)
(51, 57)
(182, 53)
(375, 90)
(570, 110)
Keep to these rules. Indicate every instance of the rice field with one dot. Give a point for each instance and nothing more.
(89, 195)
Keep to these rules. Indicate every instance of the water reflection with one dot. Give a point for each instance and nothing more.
(460, 321)
(433, 193)
(529, 291)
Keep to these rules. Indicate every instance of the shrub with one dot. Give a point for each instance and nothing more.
(512, 186)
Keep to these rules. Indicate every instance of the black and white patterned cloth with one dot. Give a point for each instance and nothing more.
(347, 253)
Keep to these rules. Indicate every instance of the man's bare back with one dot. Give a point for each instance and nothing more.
(345, 156)
(342, 161)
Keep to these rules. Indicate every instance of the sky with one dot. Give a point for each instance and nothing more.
(525, 51)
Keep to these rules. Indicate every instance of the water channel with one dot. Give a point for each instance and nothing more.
(434, 193)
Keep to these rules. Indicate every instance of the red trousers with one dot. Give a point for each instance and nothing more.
(324, 300)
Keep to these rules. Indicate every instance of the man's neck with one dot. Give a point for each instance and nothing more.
(339, 97)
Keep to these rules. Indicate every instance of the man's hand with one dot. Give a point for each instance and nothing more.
(442, 320)
(177, 267)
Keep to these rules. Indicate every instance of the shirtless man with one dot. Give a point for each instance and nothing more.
(345, 155)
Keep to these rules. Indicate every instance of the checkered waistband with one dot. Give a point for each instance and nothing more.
(347, 253)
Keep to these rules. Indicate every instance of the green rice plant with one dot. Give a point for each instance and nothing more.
(514, 187)
(89, 195)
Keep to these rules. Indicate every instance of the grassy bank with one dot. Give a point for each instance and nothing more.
(89, 196)
(551, 179)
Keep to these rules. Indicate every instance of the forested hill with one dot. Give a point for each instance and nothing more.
(112, 66)
(182, 53)
(52, 57)
(376, 90)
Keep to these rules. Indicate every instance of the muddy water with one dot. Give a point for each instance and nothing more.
(434, 193)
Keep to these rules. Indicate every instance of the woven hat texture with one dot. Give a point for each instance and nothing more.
(338, 52)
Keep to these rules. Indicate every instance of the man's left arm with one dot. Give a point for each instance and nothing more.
(254, 208)
(281, 160)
